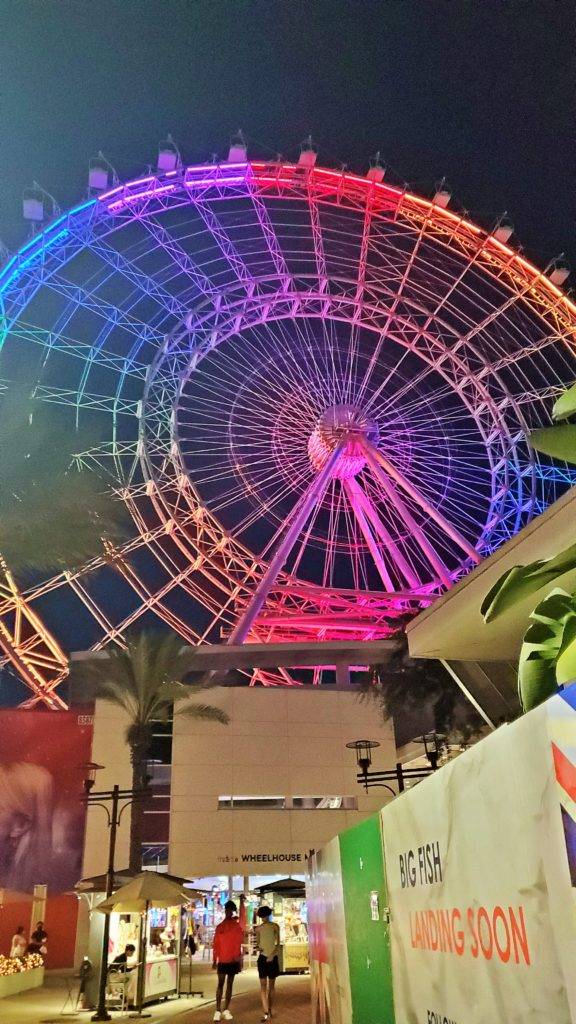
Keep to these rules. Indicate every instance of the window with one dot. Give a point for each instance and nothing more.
(288, 803)
(251, 803)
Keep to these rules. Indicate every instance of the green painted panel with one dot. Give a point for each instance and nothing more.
(368, 940)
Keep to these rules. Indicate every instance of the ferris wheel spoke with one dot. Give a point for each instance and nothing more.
(323, 352)
(409, 387)
(313, 494)
(394, 306)
(379, 463)
(316, 374)
(306, 375)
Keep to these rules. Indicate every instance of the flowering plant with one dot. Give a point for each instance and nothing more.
(16, 964)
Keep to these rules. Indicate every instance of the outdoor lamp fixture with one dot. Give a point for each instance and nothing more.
(90, 769)
(363, 750)
(399, 774)
(102, 798)
(433, 744)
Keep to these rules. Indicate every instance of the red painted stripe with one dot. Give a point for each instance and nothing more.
(565, 772)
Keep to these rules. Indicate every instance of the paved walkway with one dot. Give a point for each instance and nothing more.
(292, 1004)
(50, 1004)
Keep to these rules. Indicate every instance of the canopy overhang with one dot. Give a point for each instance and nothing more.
(452, 629)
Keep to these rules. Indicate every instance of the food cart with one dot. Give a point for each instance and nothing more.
(287, 898)
(147, 913)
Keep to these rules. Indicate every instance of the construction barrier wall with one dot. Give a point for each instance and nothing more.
(457, 904)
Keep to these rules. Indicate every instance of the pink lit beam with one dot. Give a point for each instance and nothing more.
(362, 500)
(374, 454)
(311, 497)
(418, 533)
(364, 525)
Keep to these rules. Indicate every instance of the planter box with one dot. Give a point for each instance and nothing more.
(15, 983)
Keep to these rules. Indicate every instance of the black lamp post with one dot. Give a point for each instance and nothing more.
(101, 798)
(399, 774)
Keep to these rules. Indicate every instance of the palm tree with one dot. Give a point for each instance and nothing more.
(407, 686)
(144, 679)
(52, 514)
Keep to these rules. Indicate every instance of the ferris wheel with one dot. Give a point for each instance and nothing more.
(313, 391)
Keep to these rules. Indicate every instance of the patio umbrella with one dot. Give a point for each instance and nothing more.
(97, 883)
(148, 889)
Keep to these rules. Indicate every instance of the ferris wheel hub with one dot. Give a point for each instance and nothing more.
(334, 424)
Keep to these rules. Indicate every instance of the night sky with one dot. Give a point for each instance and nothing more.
(481, 92)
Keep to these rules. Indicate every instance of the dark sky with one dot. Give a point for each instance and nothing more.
(480, 91)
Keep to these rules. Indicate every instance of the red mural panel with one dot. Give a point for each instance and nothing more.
(42, 818)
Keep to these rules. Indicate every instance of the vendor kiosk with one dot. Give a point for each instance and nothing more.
(287, 898)
(145, 913)
(157, 934)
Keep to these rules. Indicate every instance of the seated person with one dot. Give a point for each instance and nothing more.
(121, 973)
(124, 961)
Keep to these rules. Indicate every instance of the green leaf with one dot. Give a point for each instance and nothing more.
(536, 681)
(565, 405)
(548, 653)
(522, 580)
(559, 442)
(566, 663)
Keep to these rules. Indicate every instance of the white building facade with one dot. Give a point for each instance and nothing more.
(254, 797)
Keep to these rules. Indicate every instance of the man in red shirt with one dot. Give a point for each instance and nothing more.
(226, 955)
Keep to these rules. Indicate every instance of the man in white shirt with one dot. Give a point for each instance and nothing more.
(268, 941)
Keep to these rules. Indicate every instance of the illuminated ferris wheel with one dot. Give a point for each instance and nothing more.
(312, 388)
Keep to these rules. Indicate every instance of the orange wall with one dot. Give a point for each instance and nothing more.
(59, 921)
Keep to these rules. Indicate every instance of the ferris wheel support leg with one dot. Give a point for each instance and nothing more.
(375, 455)
(368, 535)
(387, 486)
(361, 501)
(310, 499)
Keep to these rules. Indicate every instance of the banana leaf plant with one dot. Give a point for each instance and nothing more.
(548, 654)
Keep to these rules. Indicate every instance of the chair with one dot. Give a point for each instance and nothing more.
(116, 990)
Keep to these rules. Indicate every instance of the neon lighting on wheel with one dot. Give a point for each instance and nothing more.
(312, 390)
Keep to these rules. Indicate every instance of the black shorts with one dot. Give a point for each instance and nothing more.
(229, 969)
(268, 968)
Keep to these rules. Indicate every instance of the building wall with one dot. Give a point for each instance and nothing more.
(110, 750)
(280, 742)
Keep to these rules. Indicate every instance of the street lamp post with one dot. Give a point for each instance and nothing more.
(101, 798)
(399, 774)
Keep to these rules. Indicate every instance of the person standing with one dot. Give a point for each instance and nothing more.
(38, 940)
(268, 941)
(18, 944)
(226, 958)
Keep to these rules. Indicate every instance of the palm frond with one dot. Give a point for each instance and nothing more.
(145, 680)
(51, 514)
(208, 712)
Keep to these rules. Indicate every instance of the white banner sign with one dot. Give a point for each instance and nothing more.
(483, 916)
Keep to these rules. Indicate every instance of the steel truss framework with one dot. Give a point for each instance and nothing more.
(312, 389)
